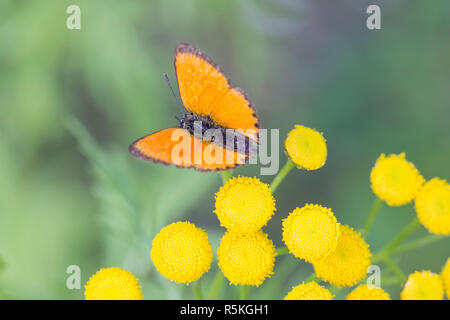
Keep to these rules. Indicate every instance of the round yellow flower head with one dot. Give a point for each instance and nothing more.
(445, 275)
(306, 148)
(423, 285)
(433, 206)
(348, 263)
(311, 232)
(246, 259)
(365, 292)
(244, 204)
(309, 291)
(181, 252)
(113, 284)
(395, 180)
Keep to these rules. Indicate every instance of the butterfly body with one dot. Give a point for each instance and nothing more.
(219, 117)
(204, 128)
(195, 123)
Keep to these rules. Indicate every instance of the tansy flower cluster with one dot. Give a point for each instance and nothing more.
(306, 148)
(366, 292)
(445, 275)
(396, 181)
(246, 258)
(309, 291)
(311, 232)
(348, 263)
(113, 284)
(181, 252)
(244, 205)
(433, 206)
(246, 255)
(338, 253)
(426, 285)
(423, 285)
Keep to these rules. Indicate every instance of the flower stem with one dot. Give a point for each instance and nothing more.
(421, 242)
(409, 246)
(405, 233)
(371, 218)
(281, 175)
(392, 246)
(197, 291)
(335, 290)
(216, 286)
(244, 292)
(226, 174)
(312, 277)
(281, 251)
(395, 268)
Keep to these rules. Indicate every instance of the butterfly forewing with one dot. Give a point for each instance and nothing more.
(206, 91)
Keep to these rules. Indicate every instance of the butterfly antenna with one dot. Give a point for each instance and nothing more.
(180, 106)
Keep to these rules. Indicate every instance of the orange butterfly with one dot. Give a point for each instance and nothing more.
(211, 103)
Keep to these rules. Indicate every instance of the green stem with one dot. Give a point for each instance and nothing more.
(392, 246)
(373, 213)
(395, 268)
(244, 292)
(197, 291)
(421, 242)
(226, 174)
(281, 175)
(335, 290)
(281, 251)
(377, 257)
(216, 286)
(405, 233)
(312, 277)
(409, 246)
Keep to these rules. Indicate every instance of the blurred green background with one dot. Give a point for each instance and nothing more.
(72, 100)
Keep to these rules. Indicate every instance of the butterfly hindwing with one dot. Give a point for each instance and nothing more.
(179, 147)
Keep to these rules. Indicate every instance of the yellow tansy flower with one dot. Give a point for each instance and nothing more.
(244, 204)
(306, 147)
(348, 263)
(365, 292)
(395, 180)
(181, 252)
(445, 275)
(246, 259)
(113, 284)
(433, 206)
(423, 285)
(309, 291)
(311, 232)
